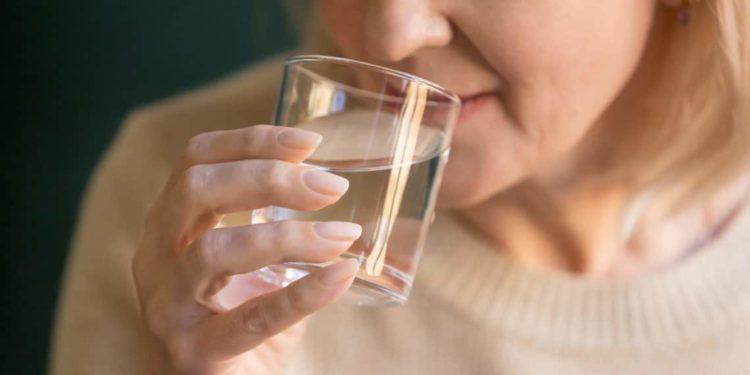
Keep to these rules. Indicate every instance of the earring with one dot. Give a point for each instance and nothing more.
(684, 13)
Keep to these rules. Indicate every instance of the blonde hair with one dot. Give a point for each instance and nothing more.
(694, 133)
(694, 136)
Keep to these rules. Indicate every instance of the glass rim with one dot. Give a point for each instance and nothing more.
(455, 99)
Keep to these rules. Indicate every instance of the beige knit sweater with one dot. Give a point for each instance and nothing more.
(471, 311)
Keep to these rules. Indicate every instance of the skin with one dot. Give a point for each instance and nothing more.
(542, 81)
(537, 57)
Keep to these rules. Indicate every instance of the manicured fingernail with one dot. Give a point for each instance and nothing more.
(339, 272)
(338, 230)
(325, 183)
(297, 138)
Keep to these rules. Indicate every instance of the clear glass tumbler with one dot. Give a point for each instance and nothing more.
(388, 133)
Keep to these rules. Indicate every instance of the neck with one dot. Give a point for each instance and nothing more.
(584, 228)
(575, 229)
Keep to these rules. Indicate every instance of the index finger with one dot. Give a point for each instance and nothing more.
(253, 142)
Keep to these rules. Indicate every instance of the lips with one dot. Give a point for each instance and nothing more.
(469, 98)
(470, 104)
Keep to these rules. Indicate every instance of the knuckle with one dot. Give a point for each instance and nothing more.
(250, 139)
(194, 180)
(255, 320)
(284, 232)
(275, 175)
(300, 301)
(153, 311)
(181, 351)
(255, 137)
(196, 146)
(281, 238)
(208, 249)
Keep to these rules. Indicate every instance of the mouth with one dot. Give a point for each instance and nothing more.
(470, 104)
(474, 97)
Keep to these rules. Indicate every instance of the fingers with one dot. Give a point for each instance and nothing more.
(238, 170)
(230, 251)
(250, 184)
(254, 142)
(233, 332)
(204, 191)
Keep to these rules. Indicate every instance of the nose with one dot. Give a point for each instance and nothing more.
(395, 29)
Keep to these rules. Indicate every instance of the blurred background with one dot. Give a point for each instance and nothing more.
(71, 71)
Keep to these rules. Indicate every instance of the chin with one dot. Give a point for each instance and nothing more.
(471, 178)
(461, 188)
(486, 156)
(448, 199)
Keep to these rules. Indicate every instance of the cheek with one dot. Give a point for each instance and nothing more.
(563, 75)
(562, 71)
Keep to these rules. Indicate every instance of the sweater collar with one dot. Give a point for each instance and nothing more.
(692, 298)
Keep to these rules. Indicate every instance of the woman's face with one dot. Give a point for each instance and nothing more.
(534, 75)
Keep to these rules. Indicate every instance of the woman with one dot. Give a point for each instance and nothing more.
(591, 216)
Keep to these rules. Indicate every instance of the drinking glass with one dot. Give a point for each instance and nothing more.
(388, 133)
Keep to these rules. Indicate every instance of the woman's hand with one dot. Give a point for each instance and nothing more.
(194, 280)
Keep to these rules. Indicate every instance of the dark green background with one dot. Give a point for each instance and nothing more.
(71, 70)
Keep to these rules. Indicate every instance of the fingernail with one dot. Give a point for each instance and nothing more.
(338, 230)
(300, 139)
(339, 272)
(325, 183)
